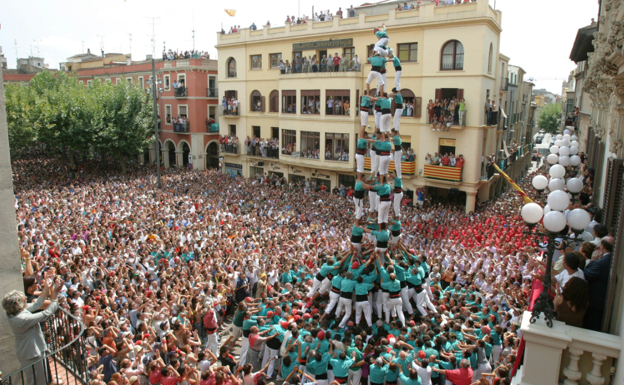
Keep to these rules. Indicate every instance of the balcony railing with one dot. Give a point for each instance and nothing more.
(212, 92)
(231, 148)
(180, 92)
(504, 84)
(452, 174)
(588, 354)
(268, 152)
(67, 363)
(211, 127)
(347, 67)
(180, 127)
(407, 168)
(229, 111)
(461, 117)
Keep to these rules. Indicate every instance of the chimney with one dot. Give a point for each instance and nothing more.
(128, 60)
(88, 50)
(148, 57)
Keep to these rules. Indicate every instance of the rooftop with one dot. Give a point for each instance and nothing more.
(428, 14)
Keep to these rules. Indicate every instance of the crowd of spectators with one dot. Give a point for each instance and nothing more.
(443, 113)
(159, 277)
(229, 143)
(336, 63)
(266, 148)
(192, 54)
(448, 159)
(230, 105)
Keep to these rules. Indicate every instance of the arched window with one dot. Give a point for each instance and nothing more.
(490, 58)
(231, 67)
(411, 103)
(256, 101)
(452, 56)
(274, 101)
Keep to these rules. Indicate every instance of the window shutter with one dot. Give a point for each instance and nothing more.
(614, 190)
(438, 94)
(262, 103)
(417, 107)
(460, 93)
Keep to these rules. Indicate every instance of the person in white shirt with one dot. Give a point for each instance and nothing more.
(571, 262)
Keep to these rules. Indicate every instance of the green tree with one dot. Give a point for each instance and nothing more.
(19, 107)
(548, 120)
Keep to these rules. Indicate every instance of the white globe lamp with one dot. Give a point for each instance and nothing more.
(574, 150)
(540, 182)
(575, 185)
(559, 137)
(566, 132)
(574, 137)
(578, 219)
(558, 142)
(547, 209)
(566, 136)
(564, 160)
(575, 160)
(552, 159)
(557, 171)
(558, 200)
(574, 143)
(554, 221)
(556, 184)
(532, 213)
(564, 150)
(565, 142)
(554, 150)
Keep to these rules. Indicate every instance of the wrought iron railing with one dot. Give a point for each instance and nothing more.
(181, 127)
(66, 360)
(180, 92)
(212, 92)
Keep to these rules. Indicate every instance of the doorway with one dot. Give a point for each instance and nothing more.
(186, 150)
(212, 155)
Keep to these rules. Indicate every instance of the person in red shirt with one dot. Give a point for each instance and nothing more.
(169, 376)
(459, 162)
(461, 376)
(445, 160)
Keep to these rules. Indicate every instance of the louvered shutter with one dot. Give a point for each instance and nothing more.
(614, 190)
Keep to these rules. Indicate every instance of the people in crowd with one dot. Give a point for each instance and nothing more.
(192, 54)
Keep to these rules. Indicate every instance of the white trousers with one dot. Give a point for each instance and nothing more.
(406, 302)
(383, 42)
(422, 301)
(269, 353)
(381, 302)
(359, 207)
(347, 304)
(385, 80)
(377, 76)
(395, 304)
(462, 117)
(316, 285)
(427, 287)
(364, 118)
(333, 301)
(397, 80)
(355, 376)
(482, 368)
(397, 204)
(382, 213)
(377, 119)
(374, 163)
(359, 161)
(363, 307)
(372, 201)
(386, 120)
(496, 352)
(243, 352)
(384, 164)
(325, 286)
(213, 343)
(397, 162)
(397, 119)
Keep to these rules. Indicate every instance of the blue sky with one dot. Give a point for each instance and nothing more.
(537, 35)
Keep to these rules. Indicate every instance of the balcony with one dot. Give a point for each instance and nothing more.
(212, 92)
(452, 174)
(407, 168)
(504, 85)
(229, 111)
(566, 354)
(231, 148)
(324, 70)
(211, 127)
(180, 92)
(181, 127)
(269, 153)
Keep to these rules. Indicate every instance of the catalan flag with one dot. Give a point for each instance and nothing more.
(230, 12)
(513, 184)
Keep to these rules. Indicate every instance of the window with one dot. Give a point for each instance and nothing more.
(349, 53)
(311, 102)
(490, 58)
(296, 54)
(275, 132)
(81, 82)
(337, 102)
(256, 102)
(411, 104)
(231, 67)
(108, 81)
(289, 141)
(408, 52)
(275, 59)
(129, 80)
(232, 129)
(346, 180)
(310, 145)
(256, 62)
(167, 113)
(274, 101)
(337, 147)
(89, 83)
(452, 56)
(289, 102)
(182, 80)
(370, 50)
(167, 82)
(183, 110)
(140, 78)
(117, 80)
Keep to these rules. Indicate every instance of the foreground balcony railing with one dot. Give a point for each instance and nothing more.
(407, 168)
(180, 127)
(66, 364)
(180, 92)
(347, 67)
(229, 111)
(453, 174)
(585, 355)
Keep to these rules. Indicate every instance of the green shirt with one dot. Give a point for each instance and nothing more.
(362, 143)
(462, 106)
(382, 235)
(398, 100)
(341, 367)
(363, 288)
(383, 189)
(385, 146)
(238, 319)
(397, 141)
(248, 323)
(396, 62)
(385, 104)
(347, 285)
(396, 227)
(377, 61)
(365, 102)
(357, 231)
(392, 286)
(398, 183)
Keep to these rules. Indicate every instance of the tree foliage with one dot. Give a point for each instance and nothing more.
(548, 120)
(56, 110)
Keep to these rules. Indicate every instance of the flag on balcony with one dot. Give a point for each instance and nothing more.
(230, 12)
(513, 184)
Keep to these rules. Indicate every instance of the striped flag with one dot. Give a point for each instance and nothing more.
(230, 12)
(513, 184)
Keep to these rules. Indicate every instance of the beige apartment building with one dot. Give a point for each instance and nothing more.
(445, 52)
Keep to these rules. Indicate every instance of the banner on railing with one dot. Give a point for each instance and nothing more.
(453, 174)
(408, 168)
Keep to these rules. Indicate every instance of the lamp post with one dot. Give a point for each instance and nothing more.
(154, 90)
(553, 219)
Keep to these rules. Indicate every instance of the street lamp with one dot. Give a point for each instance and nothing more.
(154, 89)
(553, 219)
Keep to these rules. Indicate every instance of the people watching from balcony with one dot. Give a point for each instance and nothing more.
(192, 54)
(230, 106)
(597, 273)
(253, 27)
(235, 29)
(266, 148)
(180, 119)
(229, 143)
